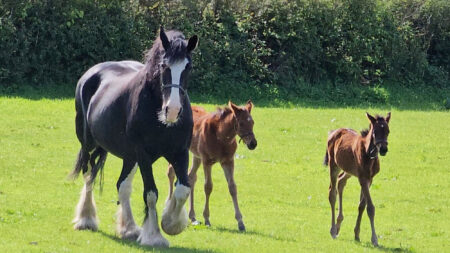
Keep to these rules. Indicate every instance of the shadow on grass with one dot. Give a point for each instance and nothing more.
(422, 98)
(382, 248)
(232, 231)
(134, 244)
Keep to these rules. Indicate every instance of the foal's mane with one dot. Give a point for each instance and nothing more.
(365, 131)
(222, 112)
(155, 54)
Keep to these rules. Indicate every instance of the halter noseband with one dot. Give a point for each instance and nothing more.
(166, 86)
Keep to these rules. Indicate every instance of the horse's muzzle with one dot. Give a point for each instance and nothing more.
(252, 144)
(383, 150)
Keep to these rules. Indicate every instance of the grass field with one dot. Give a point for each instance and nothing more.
(282, 185)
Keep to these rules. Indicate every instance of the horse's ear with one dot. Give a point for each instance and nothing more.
(192, 43)
(234, 108)
(388, 117)
(164, 39)
(249, 106)
(371, 118)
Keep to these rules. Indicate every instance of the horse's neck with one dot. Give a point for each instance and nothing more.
(227, 128)
(367, 140)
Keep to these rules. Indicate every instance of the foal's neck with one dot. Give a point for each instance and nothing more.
(227, 128)
(368, 141)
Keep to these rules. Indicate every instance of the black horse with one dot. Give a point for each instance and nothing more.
(138, 113)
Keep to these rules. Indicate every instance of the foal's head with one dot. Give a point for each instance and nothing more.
(174, 69)
(244, 123)
(380, 132)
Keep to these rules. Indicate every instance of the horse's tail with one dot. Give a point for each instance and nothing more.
(80, 164)
(325, 159)
(97, 166)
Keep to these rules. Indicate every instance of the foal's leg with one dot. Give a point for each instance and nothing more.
(342, 181)
(334, 172)
(228, 169)
(208, 189)
(362, 206)
(192, 180)
(86, 214)
(365, 184)
(126, 226)
(174, 218)
(150, 234)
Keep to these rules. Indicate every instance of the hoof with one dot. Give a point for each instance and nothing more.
(241, 226)
(195, 223)
(131, 234)
(357, 239)
(375, 242)
(333, 232)
(155, 241)
(207, 223)
(173, 225)
(86, 223)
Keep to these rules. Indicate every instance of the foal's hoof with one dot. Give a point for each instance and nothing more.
(333, 232)
(85, 223)
(207, 223)
(195, 223)
(241, 226)
(375, 242)
(357, 239)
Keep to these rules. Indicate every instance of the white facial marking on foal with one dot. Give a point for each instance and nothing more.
(174, 103)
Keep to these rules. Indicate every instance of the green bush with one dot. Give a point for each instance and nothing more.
(260, 48)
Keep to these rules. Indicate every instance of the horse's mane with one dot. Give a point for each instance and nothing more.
(365, 132)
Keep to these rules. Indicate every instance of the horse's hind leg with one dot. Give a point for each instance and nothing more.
(342, 181)
(192, 180)
(126, 226)
(334, 172)
(85, 214)
(365, 184)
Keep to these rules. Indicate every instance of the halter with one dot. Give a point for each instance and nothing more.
(373, 152)
(236, 129)
(166, 86)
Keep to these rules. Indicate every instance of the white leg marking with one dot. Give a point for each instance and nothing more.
(175, 219)
(150, 234)
(85, 214)
(126, 226)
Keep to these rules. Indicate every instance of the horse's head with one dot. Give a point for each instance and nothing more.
(380, 132)
(174, 70)
(244, 123)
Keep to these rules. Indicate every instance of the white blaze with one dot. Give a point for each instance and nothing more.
(174, 103)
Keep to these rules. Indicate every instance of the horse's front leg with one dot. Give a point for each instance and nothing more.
(126, 226)
(365, 184)
(175, 219)
(228, 169)
(150, 234)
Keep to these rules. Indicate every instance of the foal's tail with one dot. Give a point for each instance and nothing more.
(325, 159)
(95, 161)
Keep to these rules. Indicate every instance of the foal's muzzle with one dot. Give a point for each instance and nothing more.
(382, 148)
(252, 144)
(249, 140)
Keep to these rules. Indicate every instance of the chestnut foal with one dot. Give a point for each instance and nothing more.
(214, 140)
(356, 155)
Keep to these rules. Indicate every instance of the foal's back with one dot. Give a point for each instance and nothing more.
(344, 149)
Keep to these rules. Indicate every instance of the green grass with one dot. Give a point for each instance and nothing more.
(282, 185)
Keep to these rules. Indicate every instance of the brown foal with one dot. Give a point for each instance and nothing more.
(356, 155)
(214, 140)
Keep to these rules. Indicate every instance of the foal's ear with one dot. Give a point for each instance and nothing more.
(164, 39)
(388, 117)
(234, 108)
(192, 43)
(249, 106)
(371, 118)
